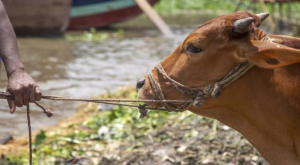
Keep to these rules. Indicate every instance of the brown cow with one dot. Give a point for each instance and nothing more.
(263, 104)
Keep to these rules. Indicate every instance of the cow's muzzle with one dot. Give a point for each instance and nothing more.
(140, 84)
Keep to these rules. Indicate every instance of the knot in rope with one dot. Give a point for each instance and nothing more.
(216, 90)
(199, 100)
(198, 96)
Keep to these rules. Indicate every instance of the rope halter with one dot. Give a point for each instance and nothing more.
(198, 95)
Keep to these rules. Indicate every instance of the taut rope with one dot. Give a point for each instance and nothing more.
(122, 102)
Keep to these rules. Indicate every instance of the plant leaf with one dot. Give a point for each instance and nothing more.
(40, 138)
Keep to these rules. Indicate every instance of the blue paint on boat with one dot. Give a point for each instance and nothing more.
(88, 2)
(98, 8)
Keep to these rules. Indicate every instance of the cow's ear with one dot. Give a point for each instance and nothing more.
(271, 55)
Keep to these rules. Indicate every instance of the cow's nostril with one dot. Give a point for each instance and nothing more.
(140, 84)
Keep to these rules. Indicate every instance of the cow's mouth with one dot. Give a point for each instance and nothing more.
(145, 92)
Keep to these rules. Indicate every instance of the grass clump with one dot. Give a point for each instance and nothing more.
(93, 35)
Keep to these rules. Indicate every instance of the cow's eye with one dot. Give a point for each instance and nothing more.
(193, 49)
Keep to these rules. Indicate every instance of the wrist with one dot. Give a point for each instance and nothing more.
(11, 71)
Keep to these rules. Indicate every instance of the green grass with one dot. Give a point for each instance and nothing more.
(215, 5)
(99, 129)
(175, 5)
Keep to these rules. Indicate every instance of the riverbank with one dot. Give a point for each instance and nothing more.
(116, 135)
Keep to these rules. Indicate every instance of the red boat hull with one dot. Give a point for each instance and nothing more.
(105, 19)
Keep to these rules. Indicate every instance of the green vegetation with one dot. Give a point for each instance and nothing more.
(94, 36)
(119, 136)
(121, 123)
(175, 5)
(219, 5)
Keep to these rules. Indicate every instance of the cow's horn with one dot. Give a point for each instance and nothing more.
(241, 26)
(263, 16)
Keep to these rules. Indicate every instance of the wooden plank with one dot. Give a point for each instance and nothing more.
(154, 17)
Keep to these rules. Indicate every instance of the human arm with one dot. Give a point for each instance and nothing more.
(20, 84)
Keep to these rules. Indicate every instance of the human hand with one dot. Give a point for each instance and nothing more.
(23, 88)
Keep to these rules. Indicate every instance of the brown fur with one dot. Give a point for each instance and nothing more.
(263, 105)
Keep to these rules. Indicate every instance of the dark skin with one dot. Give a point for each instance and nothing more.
(20, 84)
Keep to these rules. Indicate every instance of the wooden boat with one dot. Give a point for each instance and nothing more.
(38, 17)
(98, 13)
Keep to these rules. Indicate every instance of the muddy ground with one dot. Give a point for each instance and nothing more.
(116, 136)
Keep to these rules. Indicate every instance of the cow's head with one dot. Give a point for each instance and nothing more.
(212, 50)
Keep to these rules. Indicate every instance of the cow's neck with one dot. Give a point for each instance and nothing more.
(263, 105)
